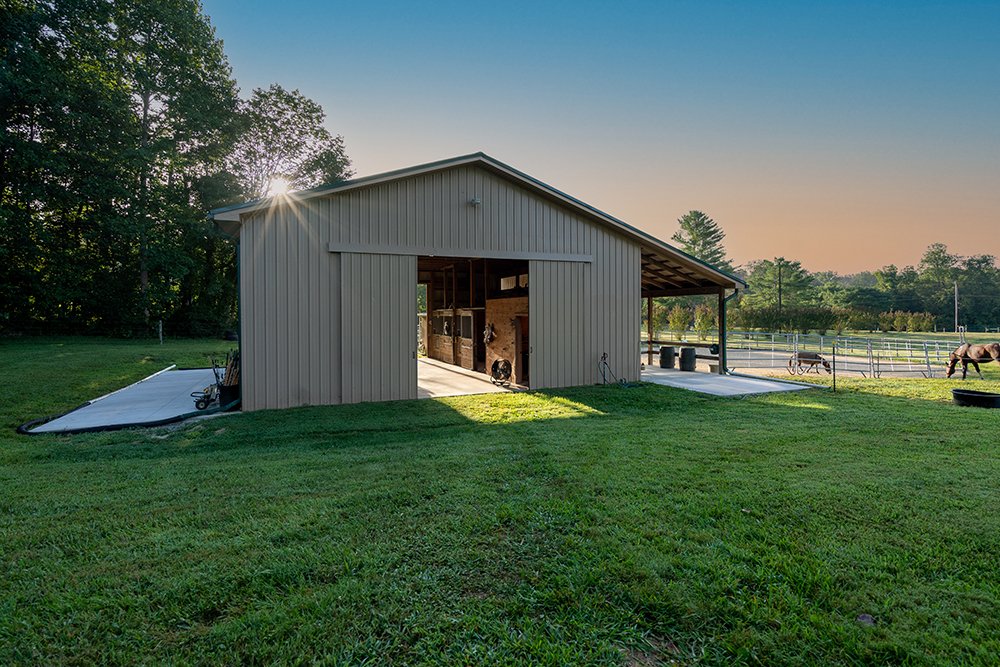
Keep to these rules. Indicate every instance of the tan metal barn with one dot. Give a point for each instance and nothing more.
(329, 279)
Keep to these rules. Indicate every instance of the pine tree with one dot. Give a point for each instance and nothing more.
(700, 236)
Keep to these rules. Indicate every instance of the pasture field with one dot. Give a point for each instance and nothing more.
(596, 525)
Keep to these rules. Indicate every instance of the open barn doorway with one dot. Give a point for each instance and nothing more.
(473, 317)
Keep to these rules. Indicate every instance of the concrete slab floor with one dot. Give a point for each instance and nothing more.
(162, 396)
(713, 383)
(436, 379)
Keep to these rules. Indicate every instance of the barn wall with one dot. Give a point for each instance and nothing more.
(616, 298)
(433, 212)
(290, 312)
(579, 311)
(292, 287)
(379, 327)
(502, 314)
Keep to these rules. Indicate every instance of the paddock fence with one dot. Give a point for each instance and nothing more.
(868, 357)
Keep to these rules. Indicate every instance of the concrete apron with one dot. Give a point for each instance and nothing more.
(715, 384)
(160, 398)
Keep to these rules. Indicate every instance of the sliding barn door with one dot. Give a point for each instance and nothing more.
(379, 324)
(559, 308)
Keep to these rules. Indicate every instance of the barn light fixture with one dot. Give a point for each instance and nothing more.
(475, 201)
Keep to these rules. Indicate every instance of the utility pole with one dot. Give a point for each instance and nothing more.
(956, 306)
(779, 287)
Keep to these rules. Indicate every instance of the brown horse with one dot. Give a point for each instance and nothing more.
(802, 362)
(973, 354)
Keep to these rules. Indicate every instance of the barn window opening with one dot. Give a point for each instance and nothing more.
(508, 283)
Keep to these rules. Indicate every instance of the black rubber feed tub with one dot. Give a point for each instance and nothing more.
(977, 399)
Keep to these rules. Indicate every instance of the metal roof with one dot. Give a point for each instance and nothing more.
(666, 270)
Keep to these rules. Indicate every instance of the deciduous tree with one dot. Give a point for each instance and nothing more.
(284, 137)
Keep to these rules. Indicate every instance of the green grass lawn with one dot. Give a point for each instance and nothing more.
(597, 525)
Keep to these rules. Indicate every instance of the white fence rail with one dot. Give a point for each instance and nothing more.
(869, 357)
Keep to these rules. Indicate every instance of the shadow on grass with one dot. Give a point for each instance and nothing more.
(389, 424)
(577, 412)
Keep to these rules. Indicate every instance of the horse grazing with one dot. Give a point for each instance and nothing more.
(973, 354)
(802, 362)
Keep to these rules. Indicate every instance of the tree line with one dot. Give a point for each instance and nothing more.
(784, 296)
(122, 126)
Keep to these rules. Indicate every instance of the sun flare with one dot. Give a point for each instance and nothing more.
(277, 187)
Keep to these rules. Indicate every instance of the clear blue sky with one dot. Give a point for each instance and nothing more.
(845, 134)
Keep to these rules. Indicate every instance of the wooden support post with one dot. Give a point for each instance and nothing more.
(649, 331)
(722, 331)
(472, 288)
(456, 348)
(472, 304)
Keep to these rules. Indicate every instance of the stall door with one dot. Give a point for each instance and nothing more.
(379, 320)
(559, 305)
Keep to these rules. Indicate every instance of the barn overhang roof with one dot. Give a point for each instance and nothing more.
(666, 270)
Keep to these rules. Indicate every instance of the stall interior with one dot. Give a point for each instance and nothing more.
(476, 313)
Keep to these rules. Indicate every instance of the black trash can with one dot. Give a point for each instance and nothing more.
(688, 359)
(667, 357)
(228, 394)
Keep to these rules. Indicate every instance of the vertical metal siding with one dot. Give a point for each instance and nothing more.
(379, 319)
(559, 315)
(290, 300)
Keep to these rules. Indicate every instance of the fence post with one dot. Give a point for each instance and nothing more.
(159, 328)
(927, 360)
(834, 366)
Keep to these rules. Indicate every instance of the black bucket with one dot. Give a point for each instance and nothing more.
(688, 358)
(667, 355)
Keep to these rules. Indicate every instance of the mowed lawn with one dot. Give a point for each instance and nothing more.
(599, 525)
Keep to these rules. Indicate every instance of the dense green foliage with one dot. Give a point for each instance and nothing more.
(596, 525)
(285, 138)
(780, 283)
(827, 318)
(784, 296)
(118, 121)
(914, 299)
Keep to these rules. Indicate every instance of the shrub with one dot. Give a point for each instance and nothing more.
(901, 321)
(678, 320)
(920, 322)
(704, 320)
